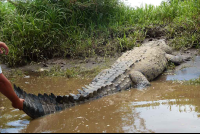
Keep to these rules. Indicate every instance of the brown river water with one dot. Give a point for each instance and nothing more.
(165, 106)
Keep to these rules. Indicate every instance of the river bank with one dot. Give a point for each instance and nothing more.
(85, 67)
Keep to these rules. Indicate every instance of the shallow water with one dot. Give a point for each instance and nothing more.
(163, 107)
(187, 71)
(12, 120)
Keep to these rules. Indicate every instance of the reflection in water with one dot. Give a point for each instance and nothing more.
(163, 107)
(171, 118)
(134, 123)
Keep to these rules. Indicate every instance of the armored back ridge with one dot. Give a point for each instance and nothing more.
(135, 68)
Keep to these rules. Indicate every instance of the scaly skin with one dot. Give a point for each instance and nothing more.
(135, 68)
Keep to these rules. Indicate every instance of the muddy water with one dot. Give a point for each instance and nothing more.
(163, 107)
(12, 120)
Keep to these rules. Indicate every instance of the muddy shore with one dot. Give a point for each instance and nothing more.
(93, 65)
(83, 64)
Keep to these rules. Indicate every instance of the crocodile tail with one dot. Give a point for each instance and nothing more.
(38, 106)
(41, 105)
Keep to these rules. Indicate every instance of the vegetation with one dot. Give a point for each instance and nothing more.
(193, 82)
(171, 66)
(72, 72)
(41, 29)
(188, 82)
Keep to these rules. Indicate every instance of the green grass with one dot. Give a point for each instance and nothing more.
(189, 82)
(42, 29)
(171, 66)
(73, 72)
(193, 82)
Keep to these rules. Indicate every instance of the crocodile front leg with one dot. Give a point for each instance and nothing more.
(139, 79)
(176, 59)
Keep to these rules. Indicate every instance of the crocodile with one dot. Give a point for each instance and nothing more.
(134, 69)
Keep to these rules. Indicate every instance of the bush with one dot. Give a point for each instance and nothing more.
(41, 29)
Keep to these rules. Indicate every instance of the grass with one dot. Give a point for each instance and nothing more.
(73, 72)
(193, 82)
(171, 66)
(38, 30)
(189, 82)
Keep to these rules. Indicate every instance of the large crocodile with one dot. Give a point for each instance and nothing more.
(135, 68)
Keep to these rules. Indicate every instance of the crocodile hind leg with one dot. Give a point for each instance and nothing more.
(139, 79)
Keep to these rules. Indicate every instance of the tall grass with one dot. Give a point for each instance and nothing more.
(41, 29)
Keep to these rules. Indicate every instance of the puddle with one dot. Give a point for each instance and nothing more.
(187, 71)
(163, 107)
